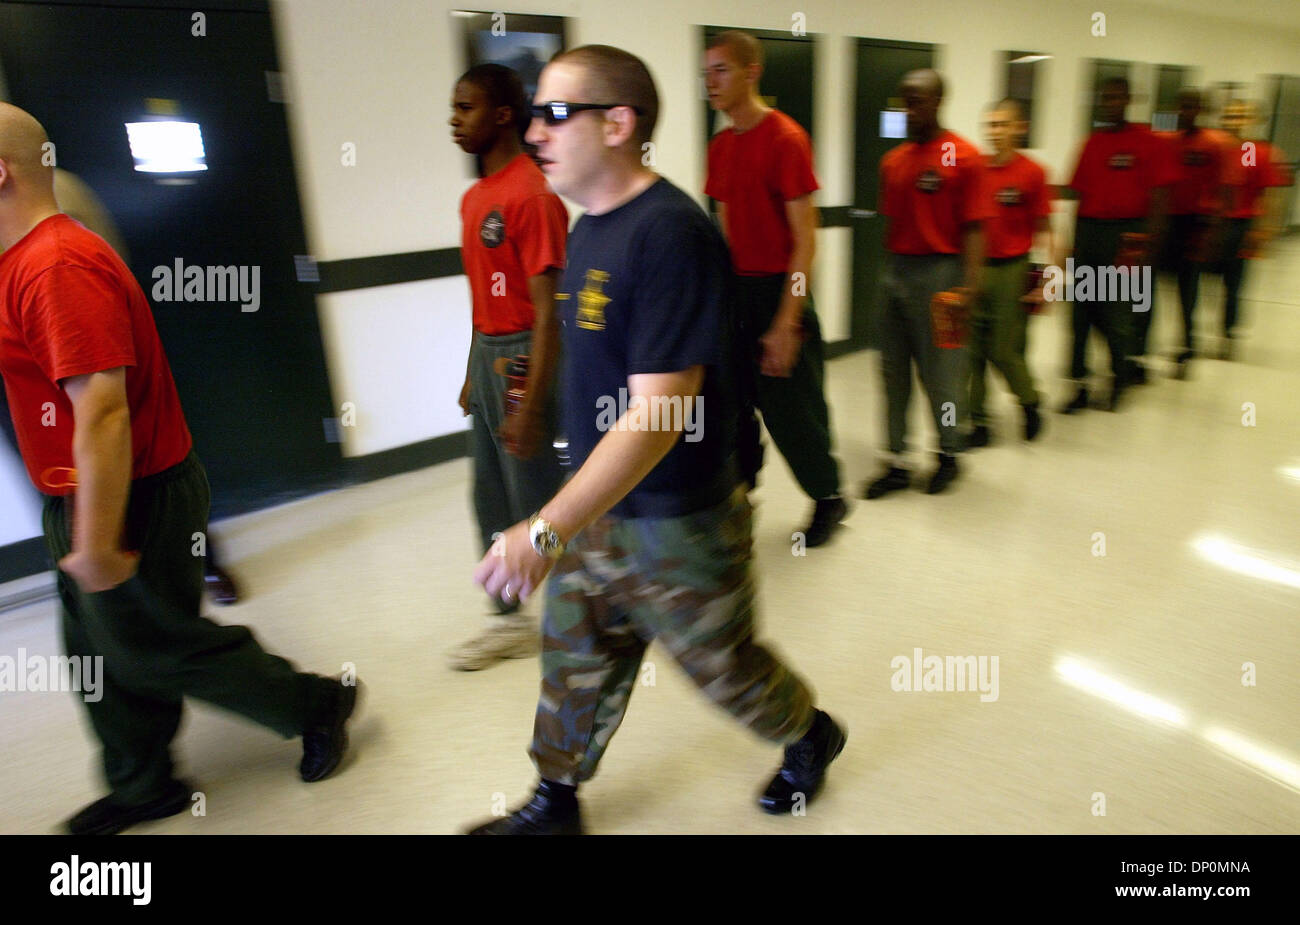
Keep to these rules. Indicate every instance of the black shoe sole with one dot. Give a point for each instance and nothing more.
(347, 707)
(938, 486)
(134, 815)
(491, 828)
(871, 493)
(813, 539)
(780, 809)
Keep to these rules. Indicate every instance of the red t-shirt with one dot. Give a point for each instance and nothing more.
(929, 191)
(1200, 158)
(1018, 194)
(1118, 169)
(513, 224)
(1248, 173)
(756, 173)
(69, 307)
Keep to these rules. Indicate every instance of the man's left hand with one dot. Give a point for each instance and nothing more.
(512, 569)
(99, 571)
(522, 434)
(781, 345)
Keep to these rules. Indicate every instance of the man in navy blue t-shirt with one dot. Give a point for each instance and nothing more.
(651, 537)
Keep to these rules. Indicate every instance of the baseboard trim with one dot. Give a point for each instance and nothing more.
(839, 348)
(24, 558)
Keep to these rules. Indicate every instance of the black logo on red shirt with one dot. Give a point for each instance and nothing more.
(493, 230)
(1193, 158)
(1121, 161)
(929, 181)
(1010, 196)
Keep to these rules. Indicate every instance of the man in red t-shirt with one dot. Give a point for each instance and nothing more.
(931, 190)
(78, 201)
(1016, 191)
(1196, 203)
(761, 174)
(100, 428)
(512, 246)
(1121, 183)
(1253, 172)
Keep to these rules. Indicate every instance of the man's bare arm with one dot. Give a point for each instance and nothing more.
(101, 452)
(802, 216)
(622, 458)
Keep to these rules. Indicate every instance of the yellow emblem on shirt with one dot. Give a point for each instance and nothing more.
(591, 302)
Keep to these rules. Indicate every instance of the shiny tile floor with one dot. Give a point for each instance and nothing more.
(1120, 704)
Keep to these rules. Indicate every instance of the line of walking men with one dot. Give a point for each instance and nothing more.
(649, 536)
(671, 562)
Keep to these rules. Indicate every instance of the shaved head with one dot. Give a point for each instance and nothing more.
(926, 81)
(922, 92)
(21, 149)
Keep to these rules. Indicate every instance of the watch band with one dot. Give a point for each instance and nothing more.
(546, 542)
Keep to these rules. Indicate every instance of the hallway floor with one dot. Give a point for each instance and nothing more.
(1120, 677)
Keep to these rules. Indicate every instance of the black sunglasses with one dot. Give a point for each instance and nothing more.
(558, 111)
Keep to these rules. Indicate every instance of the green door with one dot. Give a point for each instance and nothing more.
(880, 67)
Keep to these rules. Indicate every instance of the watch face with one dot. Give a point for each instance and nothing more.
(545, 540)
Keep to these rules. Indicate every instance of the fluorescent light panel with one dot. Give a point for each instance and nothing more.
(166, 146)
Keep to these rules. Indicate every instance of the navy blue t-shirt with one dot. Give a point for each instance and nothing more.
(647, 290)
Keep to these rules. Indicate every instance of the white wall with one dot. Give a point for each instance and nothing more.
(20, 512)
(379, 73)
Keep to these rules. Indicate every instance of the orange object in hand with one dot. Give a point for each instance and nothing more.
(949, 320)
(1250, 245)
(517, 375)
(1132, 248)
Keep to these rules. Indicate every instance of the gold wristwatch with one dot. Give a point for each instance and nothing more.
(546, 542)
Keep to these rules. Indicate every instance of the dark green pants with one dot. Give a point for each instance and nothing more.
(794, 407)
(506, 489)
(1096, 244)
(156, 648)
(999, 324)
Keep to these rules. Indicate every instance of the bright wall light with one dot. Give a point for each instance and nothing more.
(166, 146)
(1241, 560)
(1094, 682)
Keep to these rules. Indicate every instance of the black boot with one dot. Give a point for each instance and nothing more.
(220, 585)
(804, 768)
(553, 810)
(944, 475)
(826, 517)
(1116, 392)
(1033, 421)
(1078, 403)
(108, 817)
(896, 479)
(325, 738)
(979, 436)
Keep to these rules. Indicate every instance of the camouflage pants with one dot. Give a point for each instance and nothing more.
(685, 581)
